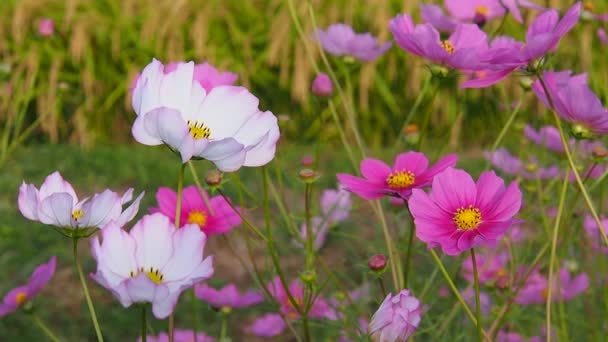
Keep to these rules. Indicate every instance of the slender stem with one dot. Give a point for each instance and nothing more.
(44, 328)
(477, 300)
(178, 216)
(381, 284)
(408, 254)
(389, 244)
(306, 328)
(309, 233)
(204, 194)
(504, 131)
(560, 209)
(144, 325)
(224, 327)
(414, 109)
(194, 315)
(85, 289)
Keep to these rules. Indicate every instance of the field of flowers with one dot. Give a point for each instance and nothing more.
(284, 170)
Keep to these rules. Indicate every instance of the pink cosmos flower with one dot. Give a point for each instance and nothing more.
(593, 233)
(46, 27)
(460, 214)
(547, 136)
(535, 289)
(510, 336)
(341, 40)
(336, 205)
(56, 203)
(601, 34)
(409, 172)
(207, 75)
(195, 210)
(322, 85)
(152, 263)
(319, 308)
(269, 325)
(228, 296)
(491, 265)
(460, 51)
(179, 335)
(396, 319)
(574, 101)
(511, 165)
(22, 294)
(484, 299)
(174, 109)
(477, 11)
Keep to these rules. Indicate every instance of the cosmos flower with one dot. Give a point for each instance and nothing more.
(396, 319)
(152, 263)
(227, 297)
(18, 296)
(319, 308)
(535, 289)
(56, 203)
(460, 214)
(484, 299)
(341, 40)
(46, 27)
(174, 109)
(593, 233)
(511, 165)
(268, 325)
(491, 266)
(547, 136)
(410, 171)
(195, 210)
(322, 85)
(180, 335)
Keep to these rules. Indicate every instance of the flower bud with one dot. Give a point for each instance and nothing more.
(308, 175)
(526, 83)
(46, 27)
(580, 132)
(322, 86)
(307, 160)
(213, 178)
(308, 277)
(377, 263)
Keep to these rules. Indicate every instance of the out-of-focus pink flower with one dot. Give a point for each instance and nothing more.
(547, 136)
(56, 203)
(460, 51)
(336, 205)
(319, 229)
(341, 40)
(195, 210)
(511, 165)
(319, 308)
(490, 264)
(174, 109)
(152, 263)
(396, 319)
(269, 325)
(443, 292)
(477, 11)
(435, 16)
(179, 335)
(307, 160)
(510, 336)
(591, 172)
(228, 296)
(460, 214)
(46, 27)
(535, 289)
(322, 85)
(601, 34)
(409, 172)
(23, 294)
(593, 233)
(484, 299)
(573, 100)
(517, 234)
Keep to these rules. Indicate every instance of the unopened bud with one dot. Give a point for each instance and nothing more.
(439, 71)
(322, 86)
(599, 152)
(213, 178)
(308, 175)
(307, 160)
(377, 263)
(526, 83)
(531, 167)
(581, 132)
(308, 277)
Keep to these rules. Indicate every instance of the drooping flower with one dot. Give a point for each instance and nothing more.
(322, 85)
(409, 172)
(268, 325)
(397, 318)
(219, 219)
(460, 51)
(593, 233)
(511, 165)
(535, 288)
(223, 125)
(18, 296)
(152, 263)
(228, 296)
(573, 100)
(460, 214)
(180, 335)
(341, 40)
(56, 203)
(490, 264)
(46, 27)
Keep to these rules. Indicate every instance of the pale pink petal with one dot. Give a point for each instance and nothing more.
(129, 213)
(28, 201)
(54, 183)
(152, 234)
(100, 210)
(269, 325)
(56, 209)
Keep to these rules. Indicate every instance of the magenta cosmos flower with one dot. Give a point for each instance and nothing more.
(460, 214)
(227, 297)
(268, 325)
(492, 266)
(535, 289)
(56, 203)
(341, 40)
(23, 294)
(219, 220)
(511, 165)
(593, 233)
(179, 335)
(396, 319)
(223, 125)
(460, 51)
(152, 263)
(573, 100)
(409, 172)
(547, 136)
(322, 85)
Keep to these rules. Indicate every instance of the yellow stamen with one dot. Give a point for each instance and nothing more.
(483, 10)
(448, 46)
(20, 298)
(400, 179)
(155, 275)
(501, 272)
(197, 217)
(467, 218)
(198, 130)
(78, 213)
(544, 293)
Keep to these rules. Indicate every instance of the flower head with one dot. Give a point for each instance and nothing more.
(491, 265)
(322, 85)
(396, 319)
(179, 335)
(511, 165)
(336, 205)
(535, 288)
(341, 40)
(409, 172)
(460, 214)
(223, 125)
(46, 27)
(220, 218)
(228, 296)
(477, 11)
(593, 233)
(23, 294)
(269, 325)
(152, 263)
(319, 308)
(56, 203)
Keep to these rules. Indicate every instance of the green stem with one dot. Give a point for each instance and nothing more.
(408, 254)
(44, 328)
(477, 300)
(560, 209)
(178, 216)
(306, 328)
(414, 109)
(144, 325)
(381, 285)
(504, 131)
(224, 327)
(194, 315)
(310, 257)
(389, 244)
(85, 289)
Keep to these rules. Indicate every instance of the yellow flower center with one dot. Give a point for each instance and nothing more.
(501, 272)
(400, 179)
(198, 130)
(293, 312)
(448, 46)
(467, 218)
(197, 217)
(483, 10)
(544, 293)
(78, 213)
(20, 298)
(154, 275)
